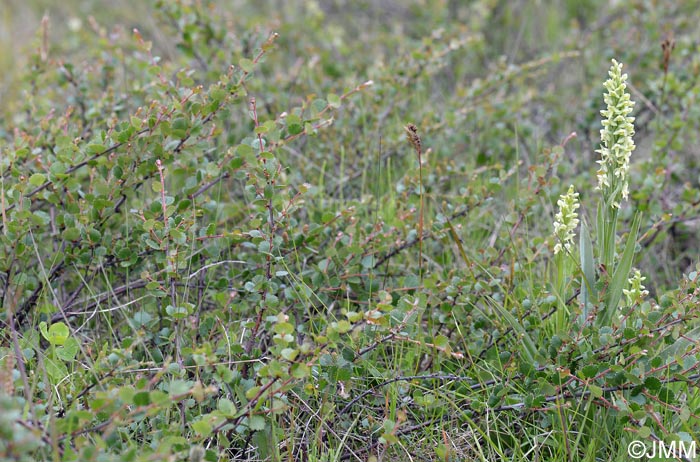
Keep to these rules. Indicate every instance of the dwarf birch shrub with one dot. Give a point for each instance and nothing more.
(217, 244)
(137, 216)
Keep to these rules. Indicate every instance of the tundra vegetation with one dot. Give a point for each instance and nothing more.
(348, 231)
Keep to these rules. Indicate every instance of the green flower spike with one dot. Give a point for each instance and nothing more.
(616, 138)
(636, 293)
(566, 220)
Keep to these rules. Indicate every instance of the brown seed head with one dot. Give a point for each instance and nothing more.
(413, 138)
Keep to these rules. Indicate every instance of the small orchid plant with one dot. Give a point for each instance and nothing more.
(613, 268)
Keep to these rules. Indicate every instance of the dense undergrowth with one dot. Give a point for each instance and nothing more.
(326, 231)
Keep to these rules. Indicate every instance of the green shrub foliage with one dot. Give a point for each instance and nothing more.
(217, 244)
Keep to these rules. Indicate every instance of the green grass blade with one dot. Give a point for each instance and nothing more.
(681, 345)
(588, 291)
(530, 350)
